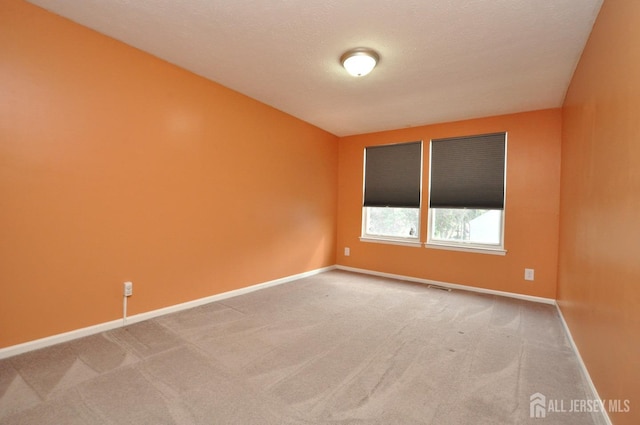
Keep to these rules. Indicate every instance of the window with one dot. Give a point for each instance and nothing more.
(467, 191)
(392, 222)
(392, 193)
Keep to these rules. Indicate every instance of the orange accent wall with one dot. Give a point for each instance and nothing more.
(599, 260)
(115, 166)
(532, 208)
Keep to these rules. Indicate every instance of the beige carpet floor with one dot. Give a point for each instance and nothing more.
(335, 348)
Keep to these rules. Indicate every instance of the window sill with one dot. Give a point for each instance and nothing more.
(390, 241)
(476, 249)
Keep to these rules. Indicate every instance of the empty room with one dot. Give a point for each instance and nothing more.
(320, 212)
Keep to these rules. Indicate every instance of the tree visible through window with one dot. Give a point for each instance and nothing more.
(392, 222)
(466, 225)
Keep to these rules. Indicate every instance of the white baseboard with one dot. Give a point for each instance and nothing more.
(14, 350)
(450, 285)
(585, 372)
(218, 297)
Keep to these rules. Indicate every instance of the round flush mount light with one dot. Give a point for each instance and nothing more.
(359, 61)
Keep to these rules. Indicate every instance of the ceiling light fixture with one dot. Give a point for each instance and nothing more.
(359, 61)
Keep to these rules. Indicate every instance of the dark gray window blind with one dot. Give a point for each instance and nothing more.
(468, 172)
(392, 175)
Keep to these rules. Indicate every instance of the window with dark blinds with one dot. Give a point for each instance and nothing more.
(392, 175)
(468, 172)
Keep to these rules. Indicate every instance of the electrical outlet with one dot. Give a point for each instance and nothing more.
(347, 251)
(128, 289)
(528, 274)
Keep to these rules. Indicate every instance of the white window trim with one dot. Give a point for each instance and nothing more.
(392, 241)
(480, 249)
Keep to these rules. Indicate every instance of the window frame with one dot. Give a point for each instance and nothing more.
(394, 240)
(484, 248)
(415, 241)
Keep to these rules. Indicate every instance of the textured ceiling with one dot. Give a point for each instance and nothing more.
(441, 60)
